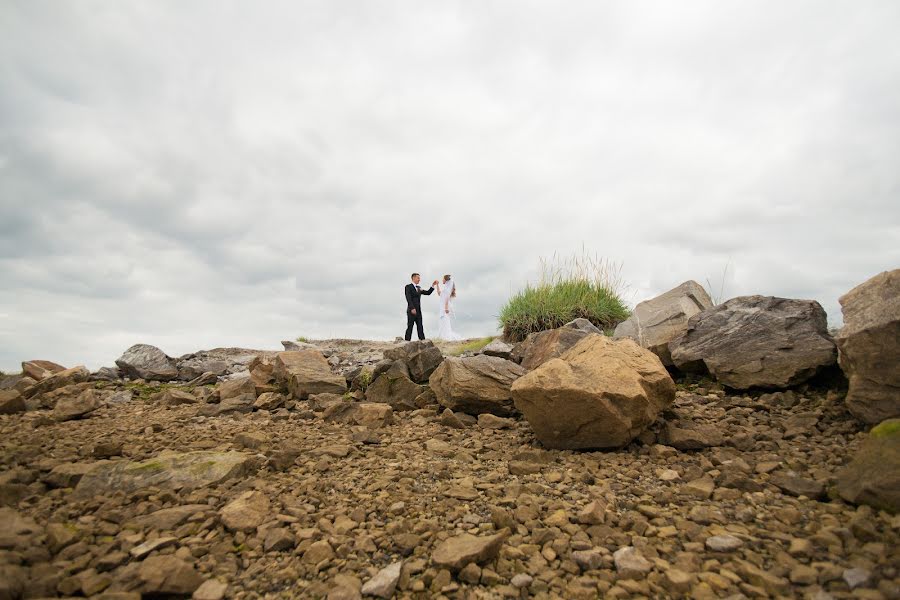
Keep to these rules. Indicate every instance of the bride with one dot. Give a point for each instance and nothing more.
(447, 293)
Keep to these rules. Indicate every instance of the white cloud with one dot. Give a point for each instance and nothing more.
(221, 173)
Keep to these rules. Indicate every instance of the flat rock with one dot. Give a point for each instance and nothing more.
(372, 415)
(211, 589)
(599, 394)
(456, 552)
(795, 485)
(75, 408)
(476, 384)
(67, 475)
(689, 436)
(169, 470)
(141, 551)
(58, 380)
(170, 518)
(656, 322)
(869, 347)
(174, 397)
(723, 543)
(143, 361)
(756, 342)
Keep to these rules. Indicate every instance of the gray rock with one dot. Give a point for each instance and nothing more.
(476, 384)
(143, 361)
(656, 322)
(756, 342)
(869, 347)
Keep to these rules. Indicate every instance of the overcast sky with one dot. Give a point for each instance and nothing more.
(199, 174)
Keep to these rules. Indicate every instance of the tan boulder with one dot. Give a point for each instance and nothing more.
(869, 347)
(168, 575)
(656, 322)
(40, 369)
(873, 476)
(599, 394)
(234, 388)
(174, 397)
(421, 358)
(476, 384)
(305, 372)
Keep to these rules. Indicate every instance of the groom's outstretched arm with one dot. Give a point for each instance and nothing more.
(431, 289)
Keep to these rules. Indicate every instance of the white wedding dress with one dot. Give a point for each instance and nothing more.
(445, 329)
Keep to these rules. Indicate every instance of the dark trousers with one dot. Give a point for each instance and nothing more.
(417, 320)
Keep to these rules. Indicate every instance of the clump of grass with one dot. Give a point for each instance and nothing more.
(582, 286)
(302, 339)
(471, 346)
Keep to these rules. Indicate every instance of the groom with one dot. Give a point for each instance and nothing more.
(414, 306)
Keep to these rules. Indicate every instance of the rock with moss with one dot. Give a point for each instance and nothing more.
(169, 470)
(869, 347)
(873, 476)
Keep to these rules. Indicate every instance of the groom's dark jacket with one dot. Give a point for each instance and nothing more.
(414, 297)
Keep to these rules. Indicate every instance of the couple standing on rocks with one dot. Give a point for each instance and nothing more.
(414, 294)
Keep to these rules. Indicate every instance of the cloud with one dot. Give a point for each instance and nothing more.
(210, 175)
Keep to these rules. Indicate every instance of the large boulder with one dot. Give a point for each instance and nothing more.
(476, 384)
(395, 388)
(656, 322)
(869, 347)
(873, 476)
(169, 470)
(599, 394)
(756, 342)
(143, 361)
(40, 369)
(421, 357)
(304, 372)
(541, 346)
(65, 378)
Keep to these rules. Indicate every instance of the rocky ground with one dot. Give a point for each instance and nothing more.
(725, 496)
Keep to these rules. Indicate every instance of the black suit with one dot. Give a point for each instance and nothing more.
(414, 301)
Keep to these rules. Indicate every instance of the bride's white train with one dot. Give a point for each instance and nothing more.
(446, 315)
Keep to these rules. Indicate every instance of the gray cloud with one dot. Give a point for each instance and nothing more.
(219, 174)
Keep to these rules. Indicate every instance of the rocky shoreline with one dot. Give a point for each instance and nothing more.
(346, 469)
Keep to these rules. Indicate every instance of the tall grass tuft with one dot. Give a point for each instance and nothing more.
(582, 286)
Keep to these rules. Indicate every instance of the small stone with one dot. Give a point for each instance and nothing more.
(594, 513)
(803, 575)
(489, 421)
(588, 559)
(856, 577)
(521, 581)
(385, 581)
(630, 563)
(471, 573)
(456, 552)
(678, 581)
